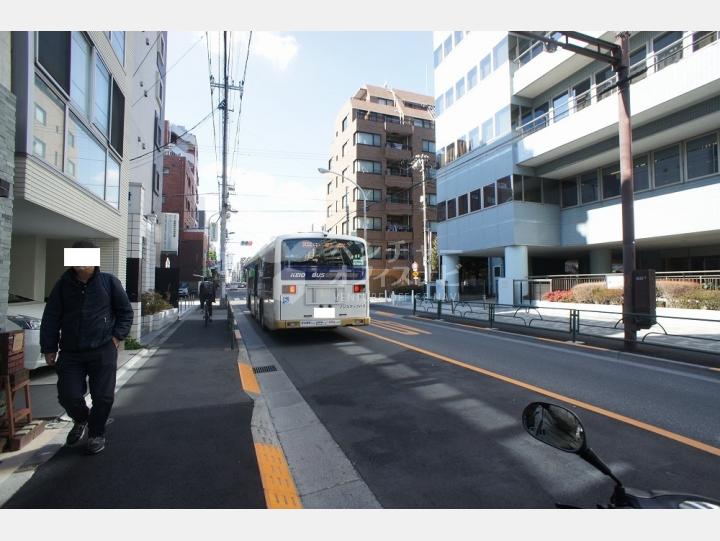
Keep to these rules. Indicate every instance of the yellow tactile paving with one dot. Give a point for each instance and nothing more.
(247, 379)
(278, 484)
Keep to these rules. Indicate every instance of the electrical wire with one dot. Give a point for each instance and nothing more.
(147, 53)
(242, 93)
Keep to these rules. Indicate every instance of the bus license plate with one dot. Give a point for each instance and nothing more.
(320, 323)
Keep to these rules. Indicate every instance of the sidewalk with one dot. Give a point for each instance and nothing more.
(179, 435)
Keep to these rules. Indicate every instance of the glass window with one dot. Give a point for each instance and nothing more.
(589, 188)
(118, 44)
(532, 189)
(89, 157)
(638, 64)
(80, 73)
(500, 53)
(462, 145)
(458, 36)
(441, 208)
(451, 208)
(551, 191)
(702, 156)
(502, 121)
(462, 204)
(367, 166)
(581, 94)
(449, 97)
(517, 187)
(641, 173)
(560, 107)
(374, 252)
(568, 189)
(475, 200)
(112, 184)
(489, 195)
(428, 146)
(438, 56)
(101, 111)
(362, 138)
(447, 46)
(460, 88)
(666, 166)
(611, 181)
(701, 39)
(604, 79)
(117, 128)
(439, 105)
(344, 123)
(473, 139)
(450, 153)
(485, 67)
(504, 190)
(541, 116)
(48, 133)
(53, 54)
(472, 78)
(487, 130)
(440, 157)
(374, 224)
(668, 49)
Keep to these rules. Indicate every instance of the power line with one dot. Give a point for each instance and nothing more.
(212, 104)
(147, 53)
(242, 93)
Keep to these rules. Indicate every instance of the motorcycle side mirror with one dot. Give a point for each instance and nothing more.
(555, 426)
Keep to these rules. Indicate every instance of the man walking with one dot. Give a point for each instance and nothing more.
(87, 314)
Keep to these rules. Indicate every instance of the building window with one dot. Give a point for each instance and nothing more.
(439, 105)
(462, 202)
(371, 193)
(89, 155)
(541, 115)
(504, 190)
(54, 54)
(159, 88)
(329, 186)
(362, 138)
(560, 107)
(441, 211)
(101, 100)
(367, 166)
(502, 121)
(431, 199)
(117, 39)
(581, 95)
(489, 195)
(569, 192)
(447, 46)
(666, 166)
(329, 211)
(460, 88)
(485, 67)
(473, 139)
(668, 49)
(472, 78)
(641, 173)
(517, 187)
(500, 53)
(589, 189)
(475, 200)
(638, 65)
(112, 182)
(80, 73)
(551, 192)
(428, 146)
(702, 156)
(438, 56)
(461, 145)
(701, 39)
(70, 168)
(449, 97)
(451, 208)
(342, 153)
(532, 189)
(48, 125)
(117, 116)
(373, 224)
(344, 228)
(604, 79)
(344, 123)
(450, 153)
(458, 36)
(611, 181)
(374, 252)
(344, 201)
(487, 130)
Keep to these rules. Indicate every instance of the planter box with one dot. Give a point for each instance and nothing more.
(158, 321)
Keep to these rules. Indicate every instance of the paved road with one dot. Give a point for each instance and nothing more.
(424, 432)
(180, 437)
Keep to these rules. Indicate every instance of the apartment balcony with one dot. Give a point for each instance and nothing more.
(398, 128)
(670, 84)
(536, 70)
(397, 151)
(399, 235)
(398, 178)
(396, 207)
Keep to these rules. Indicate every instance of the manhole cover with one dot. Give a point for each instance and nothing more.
(264, 369)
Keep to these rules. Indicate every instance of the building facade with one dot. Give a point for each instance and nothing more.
(72, 153)
(378, 132)
(528, 151)
(7, 166)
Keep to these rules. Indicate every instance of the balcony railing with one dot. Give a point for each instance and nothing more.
(654, 62)
(396, 172)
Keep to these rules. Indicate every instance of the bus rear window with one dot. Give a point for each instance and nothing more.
(327, 253)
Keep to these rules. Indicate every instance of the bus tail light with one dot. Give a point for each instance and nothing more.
(358, 288)
(291, 289)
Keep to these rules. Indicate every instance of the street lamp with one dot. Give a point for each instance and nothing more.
(324, 171)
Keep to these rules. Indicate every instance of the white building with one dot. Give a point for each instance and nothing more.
(527, 147)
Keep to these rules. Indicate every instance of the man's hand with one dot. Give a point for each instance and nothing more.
(116, 342)
(50, 358)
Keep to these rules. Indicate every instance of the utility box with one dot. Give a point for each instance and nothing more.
(644, 303)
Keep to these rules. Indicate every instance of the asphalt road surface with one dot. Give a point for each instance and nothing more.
(429, 413)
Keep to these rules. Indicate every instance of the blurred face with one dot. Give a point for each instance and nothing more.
(84, 271)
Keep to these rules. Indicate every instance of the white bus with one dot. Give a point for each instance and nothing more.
(309, 280)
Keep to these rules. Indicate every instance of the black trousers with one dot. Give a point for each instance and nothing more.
(74, 370)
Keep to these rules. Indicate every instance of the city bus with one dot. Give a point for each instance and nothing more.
(309, 280)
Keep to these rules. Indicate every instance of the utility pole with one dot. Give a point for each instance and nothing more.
(420, 160)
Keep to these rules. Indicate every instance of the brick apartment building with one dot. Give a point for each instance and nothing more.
(377, 134)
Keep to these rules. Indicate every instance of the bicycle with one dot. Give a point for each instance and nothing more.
(206, 311)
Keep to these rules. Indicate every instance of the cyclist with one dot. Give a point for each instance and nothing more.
(207, 295)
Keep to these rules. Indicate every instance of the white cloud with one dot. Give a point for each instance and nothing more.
(277, 48)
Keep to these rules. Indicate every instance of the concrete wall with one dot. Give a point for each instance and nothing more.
(7, 149)
(28, 280)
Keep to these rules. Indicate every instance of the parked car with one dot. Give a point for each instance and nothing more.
(28, 316)
(183, 290)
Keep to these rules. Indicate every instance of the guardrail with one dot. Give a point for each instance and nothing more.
(695, 334)
(709, 279)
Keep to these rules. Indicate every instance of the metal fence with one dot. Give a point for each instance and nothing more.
(709, 279)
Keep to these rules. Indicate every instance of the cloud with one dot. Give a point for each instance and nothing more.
(277, 48)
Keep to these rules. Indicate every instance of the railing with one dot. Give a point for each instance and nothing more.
(655, 61)
(397, 146)
(398, 172)
(526, 291)
(562, 282)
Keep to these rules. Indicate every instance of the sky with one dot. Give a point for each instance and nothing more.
(295, 85)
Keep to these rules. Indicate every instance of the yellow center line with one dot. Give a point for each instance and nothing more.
(380, 325)
(397, 325)
(389, 314)
(584, 405)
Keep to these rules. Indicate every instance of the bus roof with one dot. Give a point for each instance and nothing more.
(308, 235)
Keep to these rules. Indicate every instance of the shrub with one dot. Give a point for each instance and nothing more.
(559, 296)
(152, 302)
(671, 290)
(584, 292)
(604, 295)
(131, 343)
(699, 299)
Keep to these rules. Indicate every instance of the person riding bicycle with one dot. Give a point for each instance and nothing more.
(207, 295)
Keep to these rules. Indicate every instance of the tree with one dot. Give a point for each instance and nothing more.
(434, 261)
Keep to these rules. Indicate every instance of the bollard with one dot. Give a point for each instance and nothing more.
(439, 310)
(414, 305)
(491, 315)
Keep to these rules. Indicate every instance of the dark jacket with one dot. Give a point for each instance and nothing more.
(207, 290)
(82, 316)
